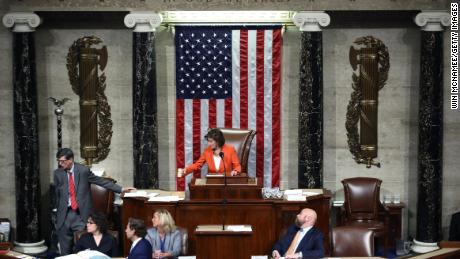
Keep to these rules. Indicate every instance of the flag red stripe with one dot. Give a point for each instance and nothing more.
(180, 154)
(196, 132)
(212, 113)
(228, 113)
(243, 79)
(276, 107)
(260, 103)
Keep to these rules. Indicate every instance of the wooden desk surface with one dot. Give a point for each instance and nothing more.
(441, 253)
(14, 254)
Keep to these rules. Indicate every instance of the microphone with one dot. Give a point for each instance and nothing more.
(224, 194)
(221, 154)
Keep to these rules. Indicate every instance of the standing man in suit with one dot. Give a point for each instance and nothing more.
(136, 231)
(302, 240)
(73, 196)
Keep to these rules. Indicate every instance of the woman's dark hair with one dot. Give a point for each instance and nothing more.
(100, 220)
(217, 135)
(66, 152)
(138, 226)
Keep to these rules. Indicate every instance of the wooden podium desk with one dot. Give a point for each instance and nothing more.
(214, 242)
(268, 218)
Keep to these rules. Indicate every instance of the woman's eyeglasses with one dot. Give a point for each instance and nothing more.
(89, 222)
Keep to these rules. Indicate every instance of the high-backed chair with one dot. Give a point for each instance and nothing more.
(362, 205)
(352, 242)
(102, 198)
(184, 236)
(241, 139)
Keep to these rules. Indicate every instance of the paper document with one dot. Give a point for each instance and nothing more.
(86, 254)
(310, 193)
(296, 198)
(136, 194)
(259, 257)
(165, 198)
(238, 228)
(293, 192)
(215, 175)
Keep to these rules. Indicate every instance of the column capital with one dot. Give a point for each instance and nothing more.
(21, 21)
(143, 21)
(432, 20)
(311, 21)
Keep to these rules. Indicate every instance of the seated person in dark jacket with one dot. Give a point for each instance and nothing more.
(302, 240)
(140, 247)
(454, 230)
(97, 237)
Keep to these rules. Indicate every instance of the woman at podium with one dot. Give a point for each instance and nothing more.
(219, 156)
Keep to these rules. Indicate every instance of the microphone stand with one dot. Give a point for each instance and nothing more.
(224, 193)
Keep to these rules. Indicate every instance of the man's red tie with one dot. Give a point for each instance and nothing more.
(73, 198)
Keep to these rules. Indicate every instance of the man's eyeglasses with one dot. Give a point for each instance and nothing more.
(62, 160)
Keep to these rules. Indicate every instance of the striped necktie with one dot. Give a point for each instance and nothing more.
(73, 198)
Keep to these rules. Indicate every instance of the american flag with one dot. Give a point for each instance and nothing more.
(229, 77)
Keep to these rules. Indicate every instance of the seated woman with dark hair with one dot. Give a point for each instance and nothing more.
(164, 237)
(97, 237)
(218, 155)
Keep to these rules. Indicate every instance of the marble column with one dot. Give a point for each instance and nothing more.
(26, 153)
(429, 199)
(310, 173)
(145, 123)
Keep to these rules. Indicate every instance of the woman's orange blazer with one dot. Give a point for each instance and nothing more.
(230, 159)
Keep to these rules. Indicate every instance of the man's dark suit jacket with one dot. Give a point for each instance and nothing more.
(311, 244)
(142, 250)
(454, 230)
(83, 177)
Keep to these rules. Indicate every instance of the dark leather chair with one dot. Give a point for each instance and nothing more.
(184, 236)
(352, 242)
(362, 206)
(241, 139)
(103, 199)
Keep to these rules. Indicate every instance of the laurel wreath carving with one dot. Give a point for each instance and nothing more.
(103, 108)
(354, 107)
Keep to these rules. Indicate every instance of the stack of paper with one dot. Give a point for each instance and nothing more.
(87, 254)
(309, 193)
(294, 195)
(296, 198)
(136, 194)
(165, 198)
(246, 228)
(338, 203)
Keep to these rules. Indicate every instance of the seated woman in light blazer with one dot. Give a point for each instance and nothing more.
(164, 237)
(216, 154)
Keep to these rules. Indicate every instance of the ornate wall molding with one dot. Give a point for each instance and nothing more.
(432, 20)
(215, 5)
(21, 22)
(143, 21)
(311, 21)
